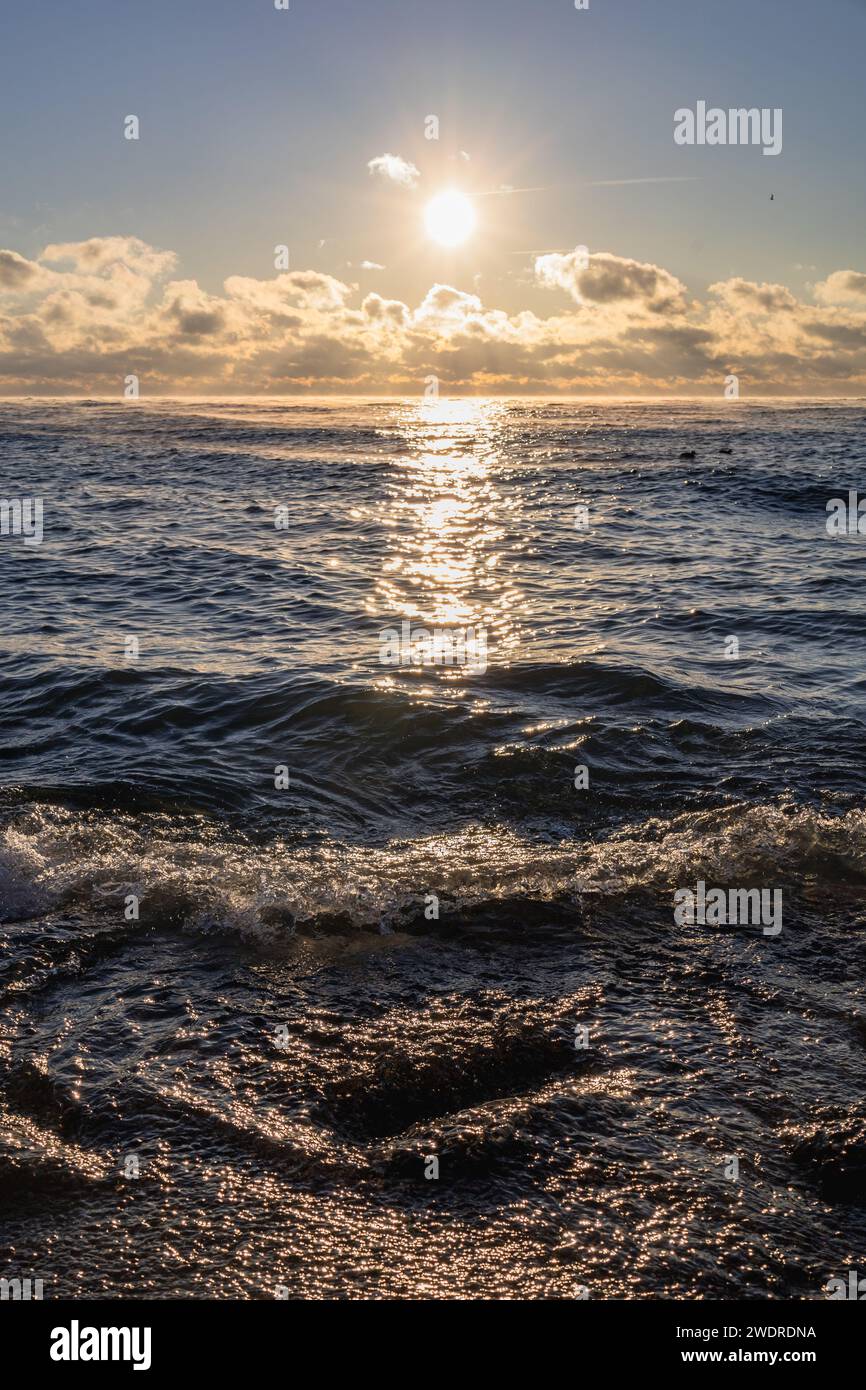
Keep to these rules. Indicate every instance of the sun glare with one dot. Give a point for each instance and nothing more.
(449, 218)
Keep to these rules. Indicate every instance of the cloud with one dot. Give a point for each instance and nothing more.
(16, 273)
(768, 299)
(82, 315)
(604, 279)
(391, 310)
(371, 265)
(111, 257)
(443, 302)
(622, 183)
(395, 169)
(306, 290)
(842, 287)
(195, 314)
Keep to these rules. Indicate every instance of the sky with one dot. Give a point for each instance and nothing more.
(260, 128)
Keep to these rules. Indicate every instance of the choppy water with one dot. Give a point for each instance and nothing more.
(286, 1035)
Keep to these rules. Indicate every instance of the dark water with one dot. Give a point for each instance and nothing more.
(286, 1035)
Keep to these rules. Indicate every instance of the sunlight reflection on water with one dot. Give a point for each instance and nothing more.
(451, 527)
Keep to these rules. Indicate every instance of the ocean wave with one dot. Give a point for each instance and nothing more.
(194, 873)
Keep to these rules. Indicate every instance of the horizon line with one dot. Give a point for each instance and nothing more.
(443, 396)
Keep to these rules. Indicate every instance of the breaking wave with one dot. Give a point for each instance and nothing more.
(195, 872)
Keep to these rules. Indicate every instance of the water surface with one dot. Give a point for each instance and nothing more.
(286, 1034)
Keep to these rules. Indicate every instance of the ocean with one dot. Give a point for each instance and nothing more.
(354, 755)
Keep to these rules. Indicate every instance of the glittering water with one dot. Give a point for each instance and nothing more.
(242, 1087)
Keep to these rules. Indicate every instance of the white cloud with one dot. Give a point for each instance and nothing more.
(395, 169)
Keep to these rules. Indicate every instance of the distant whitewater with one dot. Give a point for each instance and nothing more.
(283, 919)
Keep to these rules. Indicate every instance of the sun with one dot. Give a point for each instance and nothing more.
(449, 218)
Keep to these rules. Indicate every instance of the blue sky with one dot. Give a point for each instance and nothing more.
(257, 127)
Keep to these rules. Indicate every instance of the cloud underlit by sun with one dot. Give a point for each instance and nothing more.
(74, 316)
(449, 218)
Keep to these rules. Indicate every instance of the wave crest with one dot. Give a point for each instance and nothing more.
(195, 873)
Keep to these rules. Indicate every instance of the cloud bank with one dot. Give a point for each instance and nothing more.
(83, 315)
